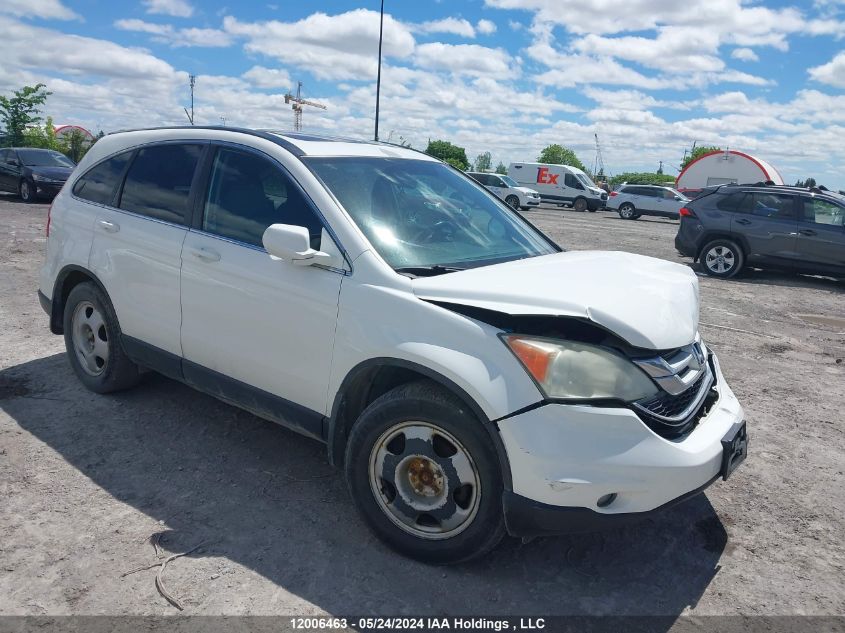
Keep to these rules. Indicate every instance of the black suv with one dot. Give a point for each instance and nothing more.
(764, 226)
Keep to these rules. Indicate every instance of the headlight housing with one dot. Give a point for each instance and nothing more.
(571, 370)
(40, 178)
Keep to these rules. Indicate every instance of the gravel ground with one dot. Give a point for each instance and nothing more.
(86, 480)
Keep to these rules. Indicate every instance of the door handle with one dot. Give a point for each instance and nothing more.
(743, 221)
(108, 227)
(808, 232)
(205, 254)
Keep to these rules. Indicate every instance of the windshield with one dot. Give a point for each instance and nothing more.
(509, 181)
(36, 158)
(419, 213)
(586, 180)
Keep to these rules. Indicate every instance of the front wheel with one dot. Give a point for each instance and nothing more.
(627, 212)
(512, 202)
(722, 258)
(27, 191)
(580, 205)
(425, 476)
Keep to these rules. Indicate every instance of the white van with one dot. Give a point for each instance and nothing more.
(561, 184)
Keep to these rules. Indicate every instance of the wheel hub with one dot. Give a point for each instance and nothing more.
(425, 477)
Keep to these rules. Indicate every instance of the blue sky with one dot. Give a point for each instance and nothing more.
(505, 76)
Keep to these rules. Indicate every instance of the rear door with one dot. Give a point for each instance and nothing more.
(767, 224)
(137, 247)
(821, 235)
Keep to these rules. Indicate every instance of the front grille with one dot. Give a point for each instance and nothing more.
(668, 406)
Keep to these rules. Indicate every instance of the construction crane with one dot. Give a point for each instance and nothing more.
(296, 104)
(598, 165)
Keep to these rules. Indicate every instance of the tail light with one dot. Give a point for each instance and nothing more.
(614, 193)
(49, 211)
(687, 213)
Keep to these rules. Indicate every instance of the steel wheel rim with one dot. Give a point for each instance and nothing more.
(424, 480)
(720, 259)
(89, 336)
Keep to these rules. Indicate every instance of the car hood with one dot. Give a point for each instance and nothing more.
(525, 190)
(648, 302)
(55, 173)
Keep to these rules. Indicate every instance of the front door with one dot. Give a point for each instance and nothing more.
(821, 235)
(263, 322)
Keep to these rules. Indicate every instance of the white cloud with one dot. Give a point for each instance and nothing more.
(471, 59)
(176, 8)
(831, 73)
(166, 34)
(342, 46)
(745, 55)
(262, 77)
(453, 26)
(486, 27)
(48, 9)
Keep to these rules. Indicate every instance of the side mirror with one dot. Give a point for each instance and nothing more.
(293, 244)
(13, 162)
(678, 198)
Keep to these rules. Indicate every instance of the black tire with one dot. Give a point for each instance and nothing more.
(117, 371)
(580, 205)
(425, 403)
(732, 258)
(26, 190)
(628, 212)
(512, 202)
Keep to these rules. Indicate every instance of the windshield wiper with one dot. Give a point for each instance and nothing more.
(427, 271)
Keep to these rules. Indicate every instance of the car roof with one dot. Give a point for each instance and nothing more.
(299, 144)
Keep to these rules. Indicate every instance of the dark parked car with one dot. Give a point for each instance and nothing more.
(33, 173)
(790, 228)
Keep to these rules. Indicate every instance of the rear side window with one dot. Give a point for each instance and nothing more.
(820, 211)
(732, 202)
(158, 183)
(248, 193)
(100, 182)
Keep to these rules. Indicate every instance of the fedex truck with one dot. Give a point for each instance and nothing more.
(559, 184)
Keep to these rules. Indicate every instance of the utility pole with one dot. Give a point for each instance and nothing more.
(190, 115)
(223, 119)
(378, 80)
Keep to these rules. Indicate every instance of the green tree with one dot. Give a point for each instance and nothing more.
(641, 178)
(41, 136)
(483, 162)
(559, 155)
(21, 110)
(501, 169)
(699, 151)
(75, 144)
(452, 154)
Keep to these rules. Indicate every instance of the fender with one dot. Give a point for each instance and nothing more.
(59, 298)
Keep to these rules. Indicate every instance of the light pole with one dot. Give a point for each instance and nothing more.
(378, 80)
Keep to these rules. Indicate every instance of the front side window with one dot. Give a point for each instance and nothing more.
(101, 181)
(247, 193)
(509, 182)
(421, 214)
(820, 211)
(158, 183)
(571, 181)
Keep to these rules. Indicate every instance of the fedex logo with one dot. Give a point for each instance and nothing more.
(545, 178)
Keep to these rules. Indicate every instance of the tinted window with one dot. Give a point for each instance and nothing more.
(159, 182)
(248, 193)
(731, 202)
(820, 211)
(770, 205)
(44, 158)
(571, 181)
(100, 182)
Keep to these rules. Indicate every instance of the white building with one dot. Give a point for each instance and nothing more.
(725, 167)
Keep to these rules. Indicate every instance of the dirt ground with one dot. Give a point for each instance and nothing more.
(85, 480)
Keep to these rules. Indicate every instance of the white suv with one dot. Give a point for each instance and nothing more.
(469, 376)
(505, 188)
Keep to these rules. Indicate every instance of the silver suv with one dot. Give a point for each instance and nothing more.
(633, 201)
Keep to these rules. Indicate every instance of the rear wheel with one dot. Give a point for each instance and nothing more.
(425, 476)
(580, 205)
(92, 339)
(26, 191)
(628, 212)
(513, 202)
(722, 258)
